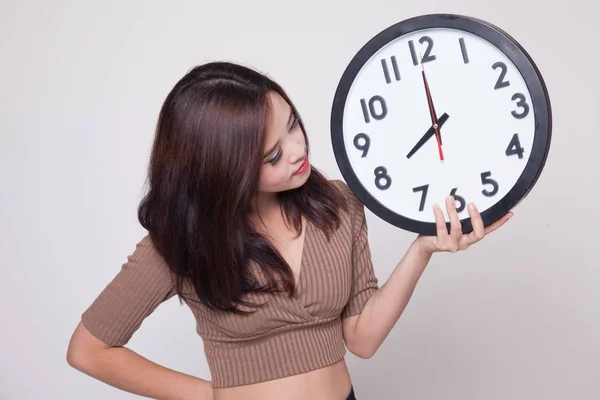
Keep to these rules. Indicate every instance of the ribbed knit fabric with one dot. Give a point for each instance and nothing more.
(287, 336)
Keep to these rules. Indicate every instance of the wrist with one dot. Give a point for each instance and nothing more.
(421, 249)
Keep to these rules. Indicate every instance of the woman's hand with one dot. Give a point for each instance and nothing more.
(456, 240)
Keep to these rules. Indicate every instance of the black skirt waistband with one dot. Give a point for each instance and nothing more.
(351, 395)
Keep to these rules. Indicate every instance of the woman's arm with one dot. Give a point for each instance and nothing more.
(97, 347)
(364, 332)
(127, 370)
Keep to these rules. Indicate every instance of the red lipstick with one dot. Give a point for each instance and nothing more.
(303, 167)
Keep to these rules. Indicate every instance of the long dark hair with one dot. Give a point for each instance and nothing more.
(203, 176)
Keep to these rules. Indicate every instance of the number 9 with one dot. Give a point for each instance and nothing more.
(364, 147)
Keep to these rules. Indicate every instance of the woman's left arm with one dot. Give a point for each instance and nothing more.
(364, 332)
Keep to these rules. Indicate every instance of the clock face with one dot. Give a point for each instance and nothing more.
(450, 106)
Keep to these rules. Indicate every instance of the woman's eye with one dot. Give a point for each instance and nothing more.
(275, 158)
(295, 122)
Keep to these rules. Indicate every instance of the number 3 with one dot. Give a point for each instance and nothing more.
(521, 103)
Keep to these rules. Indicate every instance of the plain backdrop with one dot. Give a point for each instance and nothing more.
(81, 84)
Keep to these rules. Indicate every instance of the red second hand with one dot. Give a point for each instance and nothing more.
(437, 133)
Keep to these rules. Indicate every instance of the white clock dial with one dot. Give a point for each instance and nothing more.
(485, 96)
(480, 102)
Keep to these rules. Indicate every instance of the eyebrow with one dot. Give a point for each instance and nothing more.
(290, 120)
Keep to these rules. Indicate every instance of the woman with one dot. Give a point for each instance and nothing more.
(272, 258)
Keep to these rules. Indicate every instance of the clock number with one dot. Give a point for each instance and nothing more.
(382, 174)
(428, 56)
(386, 71)
(364, 146)
(486, 180)
(500, 83)
(371, 111)
(423, 189)
(514, 147)
(461, 201)
(463, 50)
(521, 103)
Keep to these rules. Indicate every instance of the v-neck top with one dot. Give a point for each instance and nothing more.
(286, 336)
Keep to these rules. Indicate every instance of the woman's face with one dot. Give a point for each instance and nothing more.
(285, 163)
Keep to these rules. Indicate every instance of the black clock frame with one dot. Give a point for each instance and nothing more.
(540, 102)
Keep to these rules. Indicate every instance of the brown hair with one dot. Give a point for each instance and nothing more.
(203, 176)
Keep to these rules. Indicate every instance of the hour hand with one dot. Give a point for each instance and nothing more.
(430, 132)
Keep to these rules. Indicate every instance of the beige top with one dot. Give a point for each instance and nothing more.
(285, 337)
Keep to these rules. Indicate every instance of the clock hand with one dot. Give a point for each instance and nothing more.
(430, 132)
(434, 120)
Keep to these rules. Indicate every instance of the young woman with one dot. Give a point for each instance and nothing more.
(271, 257)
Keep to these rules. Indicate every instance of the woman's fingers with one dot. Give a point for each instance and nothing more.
(455, 225)
(491, 228)
(440, 224)
(478, 231)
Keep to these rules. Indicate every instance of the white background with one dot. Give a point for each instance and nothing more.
(515, 317)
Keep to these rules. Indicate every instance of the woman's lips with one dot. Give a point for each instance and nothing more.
(303, 167)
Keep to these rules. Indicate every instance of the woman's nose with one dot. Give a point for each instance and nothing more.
(298, 153)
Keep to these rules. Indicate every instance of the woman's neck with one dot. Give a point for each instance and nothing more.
(268, 210)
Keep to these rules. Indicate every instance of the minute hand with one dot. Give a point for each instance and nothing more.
(434, 118)
(430, 132)
(434, 121)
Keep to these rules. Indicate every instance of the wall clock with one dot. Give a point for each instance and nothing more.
(435, 105)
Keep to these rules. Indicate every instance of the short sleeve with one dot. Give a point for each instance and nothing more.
(142, 283)
(364, 280)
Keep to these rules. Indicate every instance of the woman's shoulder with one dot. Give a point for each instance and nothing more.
(353, 216)
(355, 205)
